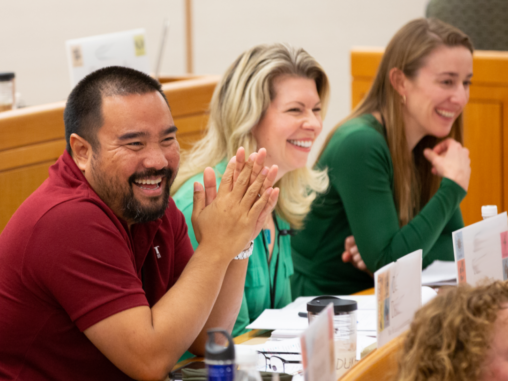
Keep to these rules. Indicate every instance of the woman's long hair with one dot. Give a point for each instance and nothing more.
(414, 183)
(239, 103)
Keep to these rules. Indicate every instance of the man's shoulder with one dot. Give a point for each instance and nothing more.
(43, 213)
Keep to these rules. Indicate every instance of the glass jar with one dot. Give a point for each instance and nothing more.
(344, 325)
(7, 91)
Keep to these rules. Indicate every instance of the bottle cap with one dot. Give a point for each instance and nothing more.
(6, 76)
(318, 304)
(246, 355)
(489, 211)
(214, 351)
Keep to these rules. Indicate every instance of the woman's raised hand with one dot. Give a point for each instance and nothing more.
(449, 159)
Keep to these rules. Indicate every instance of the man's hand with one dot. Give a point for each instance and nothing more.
(352, 255)
(230, 217)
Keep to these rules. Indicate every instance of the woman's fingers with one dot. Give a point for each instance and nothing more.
(259, 162)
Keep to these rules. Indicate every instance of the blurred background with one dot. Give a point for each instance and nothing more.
(205, 36)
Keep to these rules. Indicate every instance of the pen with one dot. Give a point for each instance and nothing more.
(302, 314)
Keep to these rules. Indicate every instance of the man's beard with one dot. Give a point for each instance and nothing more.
(126, 203)
(134, 211)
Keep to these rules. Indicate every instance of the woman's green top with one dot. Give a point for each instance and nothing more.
(260, 271)
(360, 202)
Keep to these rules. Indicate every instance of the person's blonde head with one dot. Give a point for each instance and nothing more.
(450, 336)
(239, 103)
(407, 51)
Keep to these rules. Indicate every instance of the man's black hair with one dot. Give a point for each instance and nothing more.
(83, 111)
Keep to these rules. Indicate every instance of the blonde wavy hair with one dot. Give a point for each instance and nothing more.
(414, 183)
(450, 336)
(239, 103)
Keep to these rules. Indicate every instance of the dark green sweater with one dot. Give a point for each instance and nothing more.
(360, 202)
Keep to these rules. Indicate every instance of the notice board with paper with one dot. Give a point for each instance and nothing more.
(85, 55)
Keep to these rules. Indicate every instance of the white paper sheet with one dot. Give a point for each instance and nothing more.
(318, 354)
(398, 295)
(440, 273)
(480, 250)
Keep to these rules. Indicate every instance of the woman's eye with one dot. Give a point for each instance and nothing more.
(317, 109)
(467, 83)
(447, 82)
(295, 109)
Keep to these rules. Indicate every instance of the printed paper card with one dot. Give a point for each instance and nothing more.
(88, 54)
(398, 295)
(317, 344)
(481, 250)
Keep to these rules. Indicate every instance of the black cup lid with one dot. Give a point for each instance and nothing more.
(214, 351)
(6, 76)
(318, 304)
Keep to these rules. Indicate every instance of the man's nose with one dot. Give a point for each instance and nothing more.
(155, 158)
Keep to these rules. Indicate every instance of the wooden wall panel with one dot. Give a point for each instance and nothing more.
(485, 151)
(485, 123)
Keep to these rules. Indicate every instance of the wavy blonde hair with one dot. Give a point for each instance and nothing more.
(450, 336)
(414, 183)
(239, 103)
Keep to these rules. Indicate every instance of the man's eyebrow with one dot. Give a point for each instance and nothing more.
(131, 135)
(169, 130)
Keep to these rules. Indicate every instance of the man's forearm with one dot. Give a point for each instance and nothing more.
(146, 343)
(227, 305)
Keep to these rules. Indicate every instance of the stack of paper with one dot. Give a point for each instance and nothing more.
(440, 273)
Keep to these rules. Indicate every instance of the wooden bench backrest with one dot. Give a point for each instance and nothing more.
(32, 139)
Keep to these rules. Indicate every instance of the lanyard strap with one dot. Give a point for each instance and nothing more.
(273, 287)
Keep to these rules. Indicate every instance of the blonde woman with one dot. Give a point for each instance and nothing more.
(397, 168)
(462, 334)
(271, 99)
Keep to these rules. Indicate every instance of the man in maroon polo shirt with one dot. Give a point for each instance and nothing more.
(97, 278)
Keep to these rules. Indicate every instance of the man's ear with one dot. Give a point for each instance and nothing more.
(398, 81)
(81, 151)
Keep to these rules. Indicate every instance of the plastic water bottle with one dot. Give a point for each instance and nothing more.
(489, 211)
(246, 364)
(219, 360)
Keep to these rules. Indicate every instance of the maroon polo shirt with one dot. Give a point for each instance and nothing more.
(66, 263)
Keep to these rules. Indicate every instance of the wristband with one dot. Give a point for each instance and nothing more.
(246, 253)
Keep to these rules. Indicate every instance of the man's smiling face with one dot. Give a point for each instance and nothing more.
(137, 158)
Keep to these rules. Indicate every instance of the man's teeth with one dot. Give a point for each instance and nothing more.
(446, 114)
(301, 143)
(146, 181)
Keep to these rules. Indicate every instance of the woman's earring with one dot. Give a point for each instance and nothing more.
(403, 100)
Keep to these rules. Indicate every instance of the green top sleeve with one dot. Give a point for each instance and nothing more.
(360, 202)
(363, 177)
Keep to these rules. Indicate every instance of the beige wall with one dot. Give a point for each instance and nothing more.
(33, 32)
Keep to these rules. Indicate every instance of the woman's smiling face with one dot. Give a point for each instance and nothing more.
(438, 93)
(291, 123)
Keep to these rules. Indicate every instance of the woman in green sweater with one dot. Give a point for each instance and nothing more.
(271, 99)
(397, 169)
